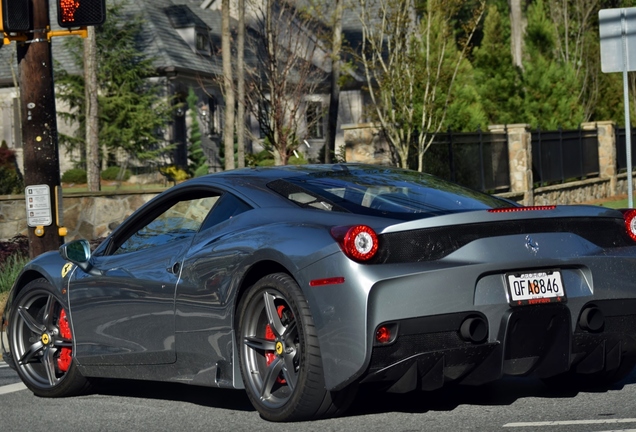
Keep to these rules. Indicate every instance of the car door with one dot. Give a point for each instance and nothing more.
(124, 309)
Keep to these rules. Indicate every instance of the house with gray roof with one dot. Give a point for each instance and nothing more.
(183, 37)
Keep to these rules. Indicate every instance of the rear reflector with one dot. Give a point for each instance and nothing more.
(386, 334)
(521, 209)
(327, 281)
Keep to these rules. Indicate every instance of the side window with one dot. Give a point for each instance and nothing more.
(227, 207)
(182, 220)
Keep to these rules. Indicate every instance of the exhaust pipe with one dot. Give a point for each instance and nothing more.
(592, 319)
(474, 329)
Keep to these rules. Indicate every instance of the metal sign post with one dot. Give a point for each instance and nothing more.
(617, 28)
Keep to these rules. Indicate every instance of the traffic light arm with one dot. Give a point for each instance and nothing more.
(7, 38)
(83, 32)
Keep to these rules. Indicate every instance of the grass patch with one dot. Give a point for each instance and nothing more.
(617, 202)
(9, 271)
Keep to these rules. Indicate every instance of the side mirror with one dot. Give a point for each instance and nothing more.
(79, 253)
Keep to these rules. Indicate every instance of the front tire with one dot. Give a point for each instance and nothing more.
(279, 354)
(41, 342)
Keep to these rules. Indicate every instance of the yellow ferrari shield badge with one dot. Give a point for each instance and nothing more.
(67, 267)
(46, 339)
(279, 348)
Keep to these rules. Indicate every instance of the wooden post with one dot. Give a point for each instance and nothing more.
(39, 123)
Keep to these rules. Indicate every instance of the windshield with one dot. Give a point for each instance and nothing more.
(387, 192)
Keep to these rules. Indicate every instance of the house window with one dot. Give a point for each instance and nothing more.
(212, 116)
(203, 42)
(315, 120)
(264, 118)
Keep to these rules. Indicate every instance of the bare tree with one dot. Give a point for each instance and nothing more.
(92, 112)
(442, 54)
(228, 85)
(576, 42)
(288, 66)
(334, 100)
(518, 25)
(240, 87)
(410, 63)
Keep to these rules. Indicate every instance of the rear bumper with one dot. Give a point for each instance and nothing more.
(431, 351)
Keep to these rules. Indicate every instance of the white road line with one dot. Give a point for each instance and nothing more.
(12, 388)
(620, 430)
(570, 422)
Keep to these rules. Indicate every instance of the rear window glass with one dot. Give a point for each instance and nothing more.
(385, 192)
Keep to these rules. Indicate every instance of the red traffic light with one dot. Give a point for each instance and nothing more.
(80, 13)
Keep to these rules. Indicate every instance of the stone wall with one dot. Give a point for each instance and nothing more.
(363, 141)
(86, 215)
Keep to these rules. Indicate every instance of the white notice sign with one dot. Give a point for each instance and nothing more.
(617, 29)
(38, 205)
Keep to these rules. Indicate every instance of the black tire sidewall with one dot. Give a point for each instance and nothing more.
(73, 382)
(307, 396)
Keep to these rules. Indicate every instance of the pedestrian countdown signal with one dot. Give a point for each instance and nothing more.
(80, 13)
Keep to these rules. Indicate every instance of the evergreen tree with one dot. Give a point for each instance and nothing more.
(465, 110)
(198, 162)
(498, 81)
(132, 108)
(551, 86)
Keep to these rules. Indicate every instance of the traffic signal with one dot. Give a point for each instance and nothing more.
(16, 16)
(80, 13)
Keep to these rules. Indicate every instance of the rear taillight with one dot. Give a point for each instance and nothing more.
(629, 215)
(358, 242)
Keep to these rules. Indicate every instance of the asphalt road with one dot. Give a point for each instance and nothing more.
(510, 405)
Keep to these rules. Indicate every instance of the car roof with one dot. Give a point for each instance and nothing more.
(250, 184)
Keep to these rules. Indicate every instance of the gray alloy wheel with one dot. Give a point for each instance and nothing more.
(41, 342)
(280, 355)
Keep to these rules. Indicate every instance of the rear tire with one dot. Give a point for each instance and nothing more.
(41, 342)
(279, 354)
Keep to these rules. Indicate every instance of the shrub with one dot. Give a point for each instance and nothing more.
(74, 175)
(18, 245)
(300, 160)
(114, 173)
(14, 254)
(10, 180)
(266, 163)
(10, 269)
(174, 173)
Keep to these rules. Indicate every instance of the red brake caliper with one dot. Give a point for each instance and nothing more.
(269, 335)
(64, 360)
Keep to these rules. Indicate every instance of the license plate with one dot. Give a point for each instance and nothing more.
(535, 287)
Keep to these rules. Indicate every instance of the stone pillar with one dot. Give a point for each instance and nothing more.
(606, 132)
(520, 158)
(365, 144)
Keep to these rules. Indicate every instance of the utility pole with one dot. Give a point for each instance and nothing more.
(39, 130)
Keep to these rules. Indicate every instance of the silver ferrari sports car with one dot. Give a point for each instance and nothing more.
(304, 284)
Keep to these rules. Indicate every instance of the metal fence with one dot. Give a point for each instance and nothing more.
(621, 152)
(478, 160)
(564, 155)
